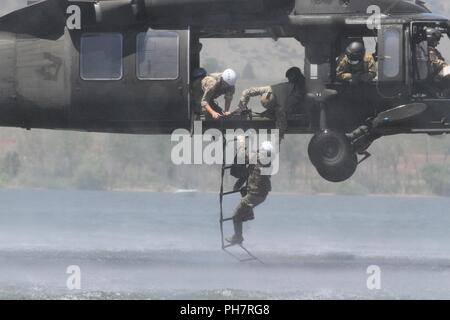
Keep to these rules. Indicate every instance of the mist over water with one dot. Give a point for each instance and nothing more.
(167, 246)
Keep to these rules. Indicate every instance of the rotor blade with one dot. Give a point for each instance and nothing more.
(400, 113)
(45, 19)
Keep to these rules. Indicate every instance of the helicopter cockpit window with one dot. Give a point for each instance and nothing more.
(391, 59)
(101, 56)
(157, 55)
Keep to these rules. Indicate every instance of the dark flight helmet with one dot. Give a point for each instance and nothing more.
(355, 52)
(294, 74)
(433, 36)
(199, 73)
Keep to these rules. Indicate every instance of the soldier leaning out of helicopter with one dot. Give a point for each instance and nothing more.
(356, 65)
(439, 69)
(280, 99)
(206, 89)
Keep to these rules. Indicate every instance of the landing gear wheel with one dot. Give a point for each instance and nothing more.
(342, 174)
(333, 156)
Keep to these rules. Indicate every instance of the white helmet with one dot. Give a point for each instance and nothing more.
(265, 152)
(267, 146)
(230, 77)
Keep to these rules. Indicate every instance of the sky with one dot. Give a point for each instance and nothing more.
(10, 5)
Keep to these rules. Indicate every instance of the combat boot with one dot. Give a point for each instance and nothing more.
(235, 240)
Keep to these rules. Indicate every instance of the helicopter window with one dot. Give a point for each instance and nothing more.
(391, 68)
(101, 56)
(157, 55)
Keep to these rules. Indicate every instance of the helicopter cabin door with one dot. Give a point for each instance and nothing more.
(132, 81)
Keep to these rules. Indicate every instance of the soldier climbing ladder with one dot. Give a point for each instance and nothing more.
(225, 246)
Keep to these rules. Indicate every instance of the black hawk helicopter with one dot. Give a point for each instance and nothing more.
(86, 65)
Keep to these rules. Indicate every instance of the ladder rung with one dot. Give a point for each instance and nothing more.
(227, 167)
(227, 219)
(231, 192)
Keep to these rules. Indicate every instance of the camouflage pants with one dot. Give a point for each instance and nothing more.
(245, 209)
(278, 114)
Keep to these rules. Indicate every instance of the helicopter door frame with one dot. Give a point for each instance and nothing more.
(419, 56)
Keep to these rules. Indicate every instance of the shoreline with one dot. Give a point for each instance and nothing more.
(194, 192)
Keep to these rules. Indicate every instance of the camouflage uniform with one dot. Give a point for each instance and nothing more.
(258, 188)
(367, 69)
(197, 95)
(208, 89)
(279, 100)
(437, 64)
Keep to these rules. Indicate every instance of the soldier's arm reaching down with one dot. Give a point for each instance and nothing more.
(253, 92)
(229, 98)
(209, 86)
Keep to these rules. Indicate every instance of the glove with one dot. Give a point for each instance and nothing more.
(243, 108)
(239, 184)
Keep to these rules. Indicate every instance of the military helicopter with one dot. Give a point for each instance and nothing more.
(124, 66)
